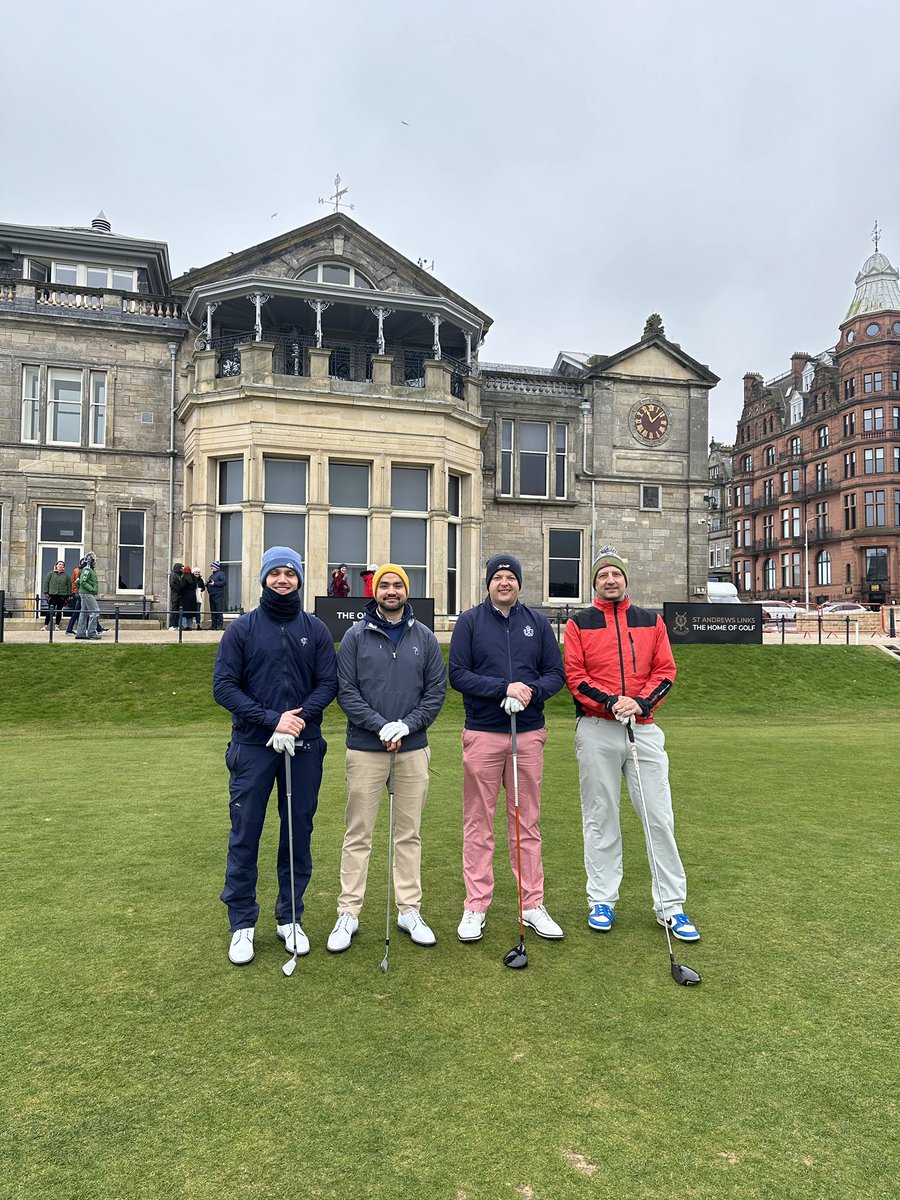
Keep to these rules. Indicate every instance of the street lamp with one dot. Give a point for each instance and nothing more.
(806, 556)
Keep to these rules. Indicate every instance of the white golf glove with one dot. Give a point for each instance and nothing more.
(394, 731)
(623, 720)
(282, 743)
(511, 705)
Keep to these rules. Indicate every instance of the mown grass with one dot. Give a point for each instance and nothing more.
(135, 1062)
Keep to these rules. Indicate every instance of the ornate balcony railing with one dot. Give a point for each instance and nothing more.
(349, 359)
(56, 295)
(27, 295)
(163, 307)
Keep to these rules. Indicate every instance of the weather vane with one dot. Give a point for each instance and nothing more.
(336, 198)
(876, 235)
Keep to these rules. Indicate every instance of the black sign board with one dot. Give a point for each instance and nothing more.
(713, 622)
(339, 615)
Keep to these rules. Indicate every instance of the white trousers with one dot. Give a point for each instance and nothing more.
(604, 754)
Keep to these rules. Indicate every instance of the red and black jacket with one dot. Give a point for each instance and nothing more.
(617, 649)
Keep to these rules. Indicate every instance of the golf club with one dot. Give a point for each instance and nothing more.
(288, 967)
(680, 974)
(517, 958)
(390, 866)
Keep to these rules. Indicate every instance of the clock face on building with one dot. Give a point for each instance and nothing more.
(651, 422)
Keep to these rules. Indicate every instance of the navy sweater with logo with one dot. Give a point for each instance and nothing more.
(488, 652)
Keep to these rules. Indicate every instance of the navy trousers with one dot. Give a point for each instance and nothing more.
(252, 771)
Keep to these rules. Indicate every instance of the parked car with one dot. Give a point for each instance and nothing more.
(843, 606)
(779, 610)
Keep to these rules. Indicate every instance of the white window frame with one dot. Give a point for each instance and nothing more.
(31, 404)
(421, 516)
(281, 508)
(66, 375)
(98, 408)
(81, 276)
(357, 278)
(454, 521)
(58, 546)
(643, 494)
(558, 527)
(510, 454)
(119, 544)
(224, 508)
(335, 510)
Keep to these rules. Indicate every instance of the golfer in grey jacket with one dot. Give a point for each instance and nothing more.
(391, 685)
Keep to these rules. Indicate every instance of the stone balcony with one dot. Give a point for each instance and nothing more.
(52, 299)
(331, 370)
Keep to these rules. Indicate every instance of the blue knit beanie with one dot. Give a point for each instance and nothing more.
(280, 556)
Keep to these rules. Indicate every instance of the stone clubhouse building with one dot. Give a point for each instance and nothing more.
(323, 391)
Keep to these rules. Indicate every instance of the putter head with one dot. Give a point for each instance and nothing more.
(288, 967)
(684, 975)
(517, 958)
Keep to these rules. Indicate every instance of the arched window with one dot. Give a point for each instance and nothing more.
(823, 568)
(769, 574)
(340, 273)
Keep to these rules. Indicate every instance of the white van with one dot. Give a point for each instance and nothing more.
(721, 593)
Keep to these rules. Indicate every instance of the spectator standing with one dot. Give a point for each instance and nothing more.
(505, 660)
(175, 579)
(392, 684)
(88, 588)
(275, 673)
(199, 589)
(188, 598)
(215, 589)
(74, 600)
(340, 584)
(619, 667)
(367, 576)
(57, 587)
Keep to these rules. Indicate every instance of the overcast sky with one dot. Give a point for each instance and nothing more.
(570, 167)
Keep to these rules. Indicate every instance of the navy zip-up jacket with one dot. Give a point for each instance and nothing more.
(265, 667)
(488, 652)
(380, 683)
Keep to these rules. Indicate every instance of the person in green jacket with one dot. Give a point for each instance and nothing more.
(90, 609)
(57, 586)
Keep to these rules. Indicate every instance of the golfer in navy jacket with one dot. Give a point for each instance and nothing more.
(276, 673)
(505, 660)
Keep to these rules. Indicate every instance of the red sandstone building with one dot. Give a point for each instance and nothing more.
(816, 485)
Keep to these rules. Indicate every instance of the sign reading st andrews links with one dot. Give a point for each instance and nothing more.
(713, 622)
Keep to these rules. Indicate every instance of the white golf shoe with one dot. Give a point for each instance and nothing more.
(289, 934)
(241, 952)
(541, 922)
(343, 933)
(411, 922)
(471, 927)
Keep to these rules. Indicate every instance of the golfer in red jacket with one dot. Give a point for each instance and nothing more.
(619, 667)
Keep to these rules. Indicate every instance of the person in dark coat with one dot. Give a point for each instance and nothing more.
(276, 674)
(215, 589)
(188, 598)
(175, 577)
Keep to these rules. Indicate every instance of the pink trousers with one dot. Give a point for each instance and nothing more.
(487, 762)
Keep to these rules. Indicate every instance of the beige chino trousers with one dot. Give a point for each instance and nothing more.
(367, 778)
